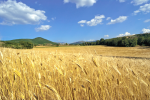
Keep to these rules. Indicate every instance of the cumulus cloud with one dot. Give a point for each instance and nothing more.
(148, 20)
(145, 30)
(126, 34)
(108, 18)
(93, 22)
(106, 36)
(139, 2)
(120, 19)
(81, 3)
(145, 9)
(97, 20)
(122, 0)
(13, 12)
(43, 28)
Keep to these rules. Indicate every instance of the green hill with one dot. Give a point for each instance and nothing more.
(38, 40)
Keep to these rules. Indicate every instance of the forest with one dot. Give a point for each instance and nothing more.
(127, 41)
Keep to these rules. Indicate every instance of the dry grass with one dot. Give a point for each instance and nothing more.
(41, 74)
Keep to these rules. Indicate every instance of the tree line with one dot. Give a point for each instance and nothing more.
(17, 45)
(128, 41)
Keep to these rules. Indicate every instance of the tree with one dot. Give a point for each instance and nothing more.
(97, 42)
(126, 43)
(114, 42)
(29, 45)
(102, 41)
(148, 41)
(44, 44)
(120, 42)
(35, 44)
(94, 43)
(57, 45)
(133, 42)
(141, 40)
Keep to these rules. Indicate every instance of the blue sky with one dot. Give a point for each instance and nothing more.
(73, 20)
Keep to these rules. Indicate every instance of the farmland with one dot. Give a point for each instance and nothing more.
(101, 50)
(75, 73)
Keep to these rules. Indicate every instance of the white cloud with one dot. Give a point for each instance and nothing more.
(82, 21)
(145, 30)
(43, 28)
(148, 20)
(13, 12)
(81, 3)
(120, 35)
(93, 22)
(145, 9)
(139, 2)
(120, 19)
(122, 0)
(126, 34)
(108, 18)
(97, 20)
(106, 36)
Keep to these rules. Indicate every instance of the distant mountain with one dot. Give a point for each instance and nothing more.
(80, 42)
(38, 40)
(61, 42)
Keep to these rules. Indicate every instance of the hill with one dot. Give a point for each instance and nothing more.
(61, 43)
(38, 40)
(80, 42)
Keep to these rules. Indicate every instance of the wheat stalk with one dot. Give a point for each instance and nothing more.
(54, 90)
(83, 70)
(59, 70)
(17, 73)
(117, 70)
(1, 55)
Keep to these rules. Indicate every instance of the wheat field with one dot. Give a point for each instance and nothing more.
(75, 73)
(101, 50)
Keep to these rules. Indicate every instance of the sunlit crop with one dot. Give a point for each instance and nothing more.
(45, 75)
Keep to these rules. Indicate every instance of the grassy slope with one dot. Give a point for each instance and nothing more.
(37, 40)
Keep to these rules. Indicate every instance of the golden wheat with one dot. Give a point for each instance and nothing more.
(56, 75)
